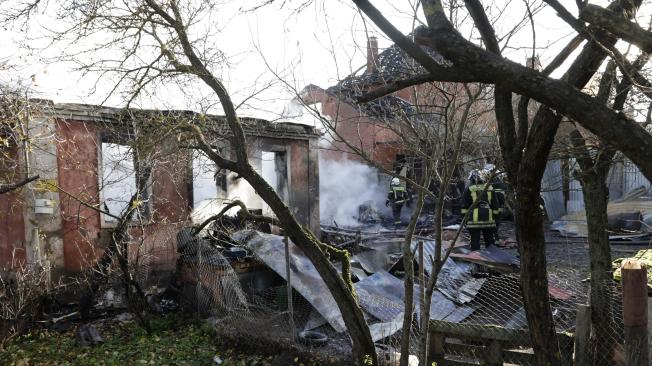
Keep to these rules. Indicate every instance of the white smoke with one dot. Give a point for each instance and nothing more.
(344, 186)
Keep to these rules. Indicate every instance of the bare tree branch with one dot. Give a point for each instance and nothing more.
(626, 134)
(626, 30)
(4, 188)
(244, 212)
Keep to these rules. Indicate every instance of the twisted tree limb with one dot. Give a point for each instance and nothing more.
(5, 188)
(624, 29)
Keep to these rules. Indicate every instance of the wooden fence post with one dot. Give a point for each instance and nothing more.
(436, 348)
(288, 273)
(582, 336)
(494, 354)
(634, 280)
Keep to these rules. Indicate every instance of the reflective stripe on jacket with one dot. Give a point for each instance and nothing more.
(397, 194)
(484, 211)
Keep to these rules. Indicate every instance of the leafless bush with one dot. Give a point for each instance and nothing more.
(21, 297)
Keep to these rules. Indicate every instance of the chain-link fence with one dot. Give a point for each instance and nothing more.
(477, 315)
(247, 302)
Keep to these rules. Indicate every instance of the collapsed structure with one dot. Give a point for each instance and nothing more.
(262, 288)
(396, 133)
(88, 165)
(89, 169)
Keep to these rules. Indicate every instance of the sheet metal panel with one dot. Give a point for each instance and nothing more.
(551, 190)
(381, 294)
(304, 277)
(453, 275)
(633, 178)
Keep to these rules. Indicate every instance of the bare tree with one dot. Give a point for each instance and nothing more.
(161, 41)
(595, 159)
(525, 145)
(13, 111)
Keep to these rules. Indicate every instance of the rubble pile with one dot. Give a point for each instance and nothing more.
(629, 220)
(474, 287)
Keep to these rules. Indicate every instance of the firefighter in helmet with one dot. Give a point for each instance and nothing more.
(485, 207)
(498, 187)
(397, 196)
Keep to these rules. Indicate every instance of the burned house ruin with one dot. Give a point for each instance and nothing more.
(86, 160)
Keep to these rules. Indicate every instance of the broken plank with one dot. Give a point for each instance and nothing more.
(448, 362)
(480, 332)
(485, 332)
(476, 352)
(518, 357)
(465, 350)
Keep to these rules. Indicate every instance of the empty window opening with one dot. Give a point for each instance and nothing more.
(209, 181)
(119, 180)
(275, 172)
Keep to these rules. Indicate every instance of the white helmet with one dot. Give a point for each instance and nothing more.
(395, 182)
(476, 177)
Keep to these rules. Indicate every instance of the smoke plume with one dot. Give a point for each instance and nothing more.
(344, 186)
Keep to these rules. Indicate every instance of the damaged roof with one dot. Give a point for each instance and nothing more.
(393, 64)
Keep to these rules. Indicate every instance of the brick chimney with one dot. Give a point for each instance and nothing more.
(372, 54)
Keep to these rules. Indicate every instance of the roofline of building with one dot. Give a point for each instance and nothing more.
(309, 89)
(102, 114)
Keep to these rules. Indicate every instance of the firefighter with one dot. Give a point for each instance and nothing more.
(481, 219)
(397, 196)
(498, 186)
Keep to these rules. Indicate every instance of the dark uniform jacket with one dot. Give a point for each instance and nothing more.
(500, 191)
(483, 215)
(397, 194)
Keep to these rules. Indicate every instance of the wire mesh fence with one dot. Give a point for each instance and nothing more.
(606, 328)
(253, 305)
(477, 317)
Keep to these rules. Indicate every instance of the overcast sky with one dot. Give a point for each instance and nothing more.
(318, 45)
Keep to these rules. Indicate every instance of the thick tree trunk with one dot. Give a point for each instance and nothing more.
(596, 195)
(534, 279)
(623, 28)
(364, 351)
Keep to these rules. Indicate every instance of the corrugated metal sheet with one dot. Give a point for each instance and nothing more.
(551, 190)
(575, 198)
(623, 178)
(575, 201)
(305, 279)
(615, 182)
(632, 177)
